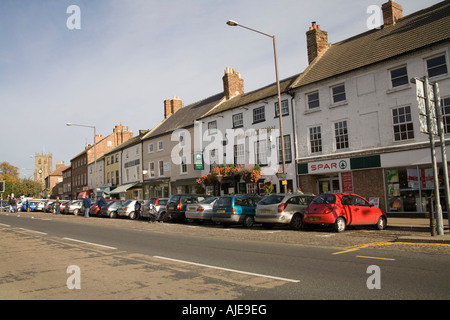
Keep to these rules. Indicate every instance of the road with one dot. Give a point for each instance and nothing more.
(66, 257)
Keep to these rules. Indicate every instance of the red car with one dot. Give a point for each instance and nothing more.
(343, 209)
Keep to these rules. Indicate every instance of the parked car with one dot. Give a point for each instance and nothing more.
(201, 211)
(343, 209)
(32, 205)
(156, 204)
(40, 206)
(95, 210)
(176, 206)
(74, 207)
(127, 209)
(49, 206)
(284, 209)
(63, 205)
(237, 209)
(110, 210)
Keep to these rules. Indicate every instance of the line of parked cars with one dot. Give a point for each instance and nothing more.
(297, 211)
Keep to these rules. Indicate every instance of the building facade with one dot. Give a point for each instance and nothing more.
(357, 110)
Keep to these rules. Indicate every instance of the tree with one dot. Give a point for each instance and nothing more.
(13, 184)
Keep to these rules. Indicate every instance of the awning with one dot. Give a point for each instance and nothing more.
(84, 194)
(123, 188)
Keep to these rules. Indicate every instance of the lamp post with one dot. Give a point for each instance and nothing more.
(235, 24)
(95, 152)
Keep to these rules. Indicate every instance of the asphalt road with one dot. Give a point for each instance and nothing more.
(137, 260)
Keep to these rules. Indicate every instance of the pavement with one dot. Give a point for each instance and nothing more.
(418, 224)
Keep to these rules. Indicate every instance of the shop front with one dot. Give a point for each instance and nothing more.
(156, 188)
(400, 183)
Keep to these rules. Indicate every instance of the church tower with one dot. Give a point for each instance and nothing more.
(43, 164)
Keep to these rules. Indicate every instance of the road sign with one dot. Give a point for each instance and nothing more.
(422, 92)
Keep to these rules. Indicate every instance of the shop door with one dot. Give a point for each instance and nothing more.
(329, 185)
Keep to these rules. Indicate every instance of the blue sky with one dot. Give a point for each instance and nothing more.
(129, 56)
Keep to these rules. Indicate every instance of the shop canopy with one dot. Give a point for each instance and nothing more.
(123, 188)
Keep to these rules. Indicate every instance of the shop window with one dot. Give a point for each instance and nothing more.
(410, 189)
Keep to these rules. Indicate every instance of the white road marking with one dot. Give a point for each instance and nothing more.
(230, 270)
(91, 243)
(34, 231)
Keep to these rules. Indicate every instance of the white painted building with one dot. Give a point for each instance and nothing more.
(357, 113)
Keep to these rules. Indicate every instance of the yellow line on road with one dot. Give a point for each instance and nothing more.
(366, 245)
(378, 258)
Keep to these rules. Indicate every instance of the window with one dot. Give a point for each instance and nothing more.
(183, 165)
(341, 135)
(213, 158)
(399, 77)
(161, 168)
(287, 149)
(259, 114)
(338, 93)
(239, 154)
(261, 152)
(117, 157)
(151, 170)
(117, 177)
(212, 127)
(150, 147)
(284, 108)
(112, 159)
(315, 139)
(160, 145)
(436, 66)
(445, 106)
(313, 100)
(403, 126)
(238, 120)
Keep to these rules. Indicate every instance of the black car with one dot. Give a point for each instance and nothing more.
(176, 206)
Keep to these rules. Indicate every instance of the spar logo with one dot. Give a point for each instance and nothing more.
(329, 166)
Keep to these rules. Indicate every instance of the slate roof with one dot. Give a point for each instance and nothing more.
(185, 116)
(413, 32)
(253, 96)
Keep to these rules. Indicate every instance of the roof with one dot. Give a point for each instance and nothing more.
(185, 116)
(413, 32)
(59, 171)
(254, 96)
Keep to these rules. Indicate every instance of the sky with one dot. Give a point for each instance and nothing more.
(116, 61)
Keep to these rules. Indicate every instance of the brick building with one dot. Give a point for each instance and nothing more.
(80, 163)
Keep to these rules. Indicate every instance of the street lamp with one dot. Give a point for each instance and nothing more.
(95, 152)
(235, 24)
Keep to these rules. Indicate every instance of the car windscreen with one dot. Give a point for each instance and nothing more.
(271, 200)
(325, 199)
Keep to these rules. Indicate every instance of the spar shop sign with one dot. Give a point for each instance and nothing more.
(329, 166)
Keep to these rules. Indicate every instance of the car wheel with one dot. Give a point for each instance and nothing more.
(296, 222)
(339, 224)
(132, 215)
(248, 221)
(75, 212)
(113, 214)
(382, 223)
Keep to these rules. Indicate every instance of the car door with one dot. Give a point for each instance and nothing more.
(361, 211)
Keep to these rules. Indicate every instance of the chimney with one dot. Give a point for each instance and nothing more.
(233, 84)
(391, 12)
(317, 42)
(172, 106)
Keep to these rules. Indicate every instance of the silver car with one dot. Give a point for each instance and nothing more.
(128, 209)
(202, 211)
(284, 209)
(73, 207)
(154, 209)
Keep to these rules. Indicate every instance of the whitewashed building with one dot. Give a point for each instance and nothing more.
(357, 112)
